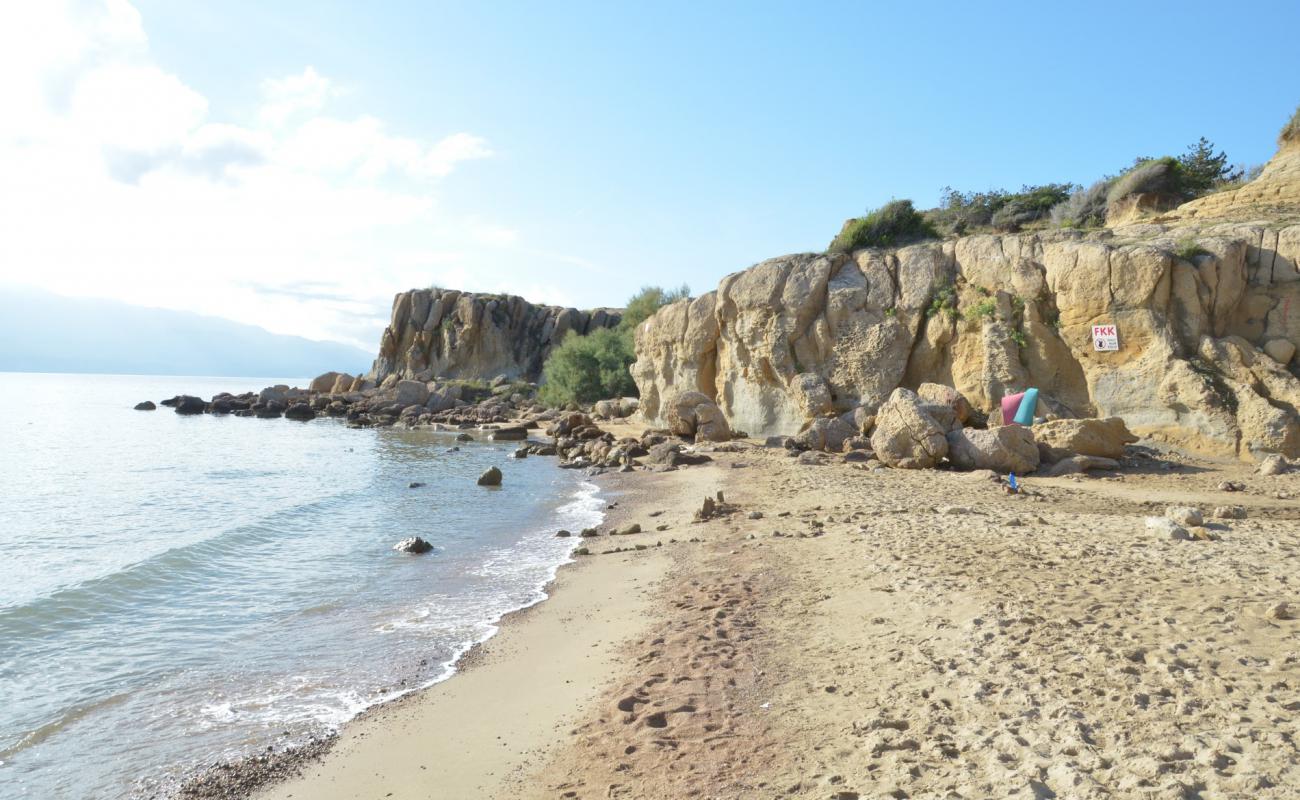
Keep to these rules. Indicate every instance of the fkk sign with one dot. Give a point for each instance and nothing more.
(1105, 337)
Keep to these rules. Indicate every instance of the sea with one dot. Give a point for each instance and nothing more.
(177, 591)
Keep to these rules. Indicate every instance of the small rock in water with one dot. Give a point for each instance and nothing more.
(562, 534)
(414, 545)
(521, 453)
(146, 405)
(414, 485)
(492, 477)
(464, 437)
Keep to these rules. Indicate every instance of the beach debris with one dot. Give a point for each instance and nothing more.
(492, 477)
(414, 545)
(1283, 611)
(1228, 512)
(145, 405)
(1187, 516)
(1168, 529)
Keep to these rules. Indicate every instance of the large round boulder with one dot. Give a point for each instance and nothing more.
(1009, 448)
(300, 411)
(694, 414)
(492, 477)
(936, 394)
(905, 436)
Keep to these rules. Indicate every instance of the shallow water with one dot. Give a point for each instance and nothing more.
(176, 590)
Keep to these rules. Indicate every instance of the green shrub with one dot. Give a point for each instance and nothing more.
(1018, 336)
(1291, 130)
(945, 300)
(1149, 176)
(647, 302)
(584, 369)
(965, 212)
(893, 224)
(1204, 171)
(1086, 208)
(1187, 249)
(984, 308)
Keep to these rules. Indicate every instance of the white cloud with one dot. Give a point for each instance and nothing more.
(122, 181)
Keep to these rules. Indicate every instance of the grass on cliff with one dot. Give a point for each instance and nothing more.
(584, 369)
(893, 224)
(1291, 130)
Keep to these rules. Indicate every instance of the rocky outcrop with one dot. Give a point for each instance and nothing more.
(906, 436)
(1206, 333)
(450, 334)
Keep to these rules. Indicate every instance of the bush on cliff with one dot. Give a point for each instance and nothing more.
(584, 369)
(961, 213)
(893, 224)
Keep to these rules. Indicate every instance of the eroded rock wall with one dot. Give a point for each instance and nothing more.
(802, 336)
(443, 332)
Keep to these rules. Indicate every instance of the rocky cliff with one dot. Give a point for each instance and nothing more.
(446, 333)
(1206, 302)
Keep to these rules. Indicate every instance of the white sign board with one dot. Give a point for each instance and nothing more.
(1105, 337)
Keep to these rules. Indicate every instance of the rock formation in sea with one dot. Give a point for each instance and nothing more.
(1205, 299)
(452, 334)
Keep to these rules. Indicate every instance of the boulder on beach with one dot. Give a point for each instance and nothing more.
(414, 545)
(492, 477)
(513, 433)
(1010, 448)
(905, 436)
(826, 433)
(1061, 438)
(694, 414)
(146, 405)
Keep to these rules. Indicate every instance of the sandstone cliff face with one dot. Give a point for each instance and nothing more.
(802, 336)
(440, 332)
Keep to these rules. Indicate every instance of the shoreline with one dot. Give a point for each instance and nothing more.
(258, 772)
(495, 661)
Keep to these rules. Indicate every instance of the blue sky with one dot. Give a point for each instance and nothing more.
(604, 146)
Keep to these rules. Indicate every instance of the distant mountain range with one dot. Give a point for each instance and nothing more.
(44, 332)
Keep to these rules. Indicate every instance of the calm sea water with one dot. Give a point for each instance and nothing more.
(176, 590)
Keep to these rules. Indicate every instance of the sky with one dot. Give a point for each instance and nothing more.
(293, 164)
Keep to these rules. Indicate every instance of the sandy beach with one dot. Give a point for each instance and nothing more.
(848, 633)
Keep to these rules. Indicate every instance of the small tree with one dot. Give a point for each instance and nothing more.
(1203, 169)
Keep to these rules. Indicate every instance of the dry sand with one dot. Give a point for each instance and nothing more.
(877, 634)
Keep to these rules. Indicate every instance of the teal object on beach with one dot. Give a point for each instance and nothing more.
(1025, 414)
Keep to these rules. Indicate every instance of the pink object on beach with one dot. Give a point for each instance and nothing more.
(1010, 405)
